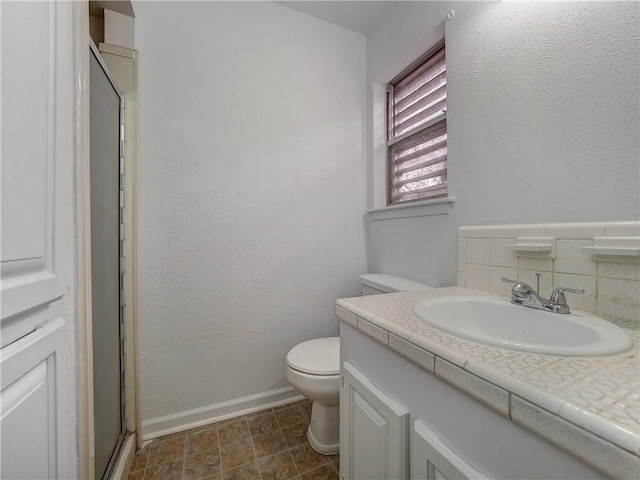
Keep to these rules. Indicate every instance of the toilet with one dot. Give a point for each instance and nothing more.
(313, 368)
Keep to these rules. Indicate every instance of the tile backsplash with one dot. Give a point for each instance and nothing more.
(612, 282)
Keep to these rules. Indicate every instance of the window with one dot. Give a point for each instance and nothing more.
(417, 131)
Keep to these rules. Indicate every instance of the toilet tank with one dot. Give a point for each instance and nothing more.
(376, 283)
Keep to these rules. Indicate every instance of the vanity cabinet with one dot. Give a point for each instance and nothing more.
(374, 445)
(400, 421)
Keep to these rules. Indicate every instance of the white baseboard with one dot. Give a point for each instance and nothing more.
(178, 422)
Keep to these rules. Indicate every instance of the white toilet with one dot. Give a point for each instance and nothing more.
(313, 368)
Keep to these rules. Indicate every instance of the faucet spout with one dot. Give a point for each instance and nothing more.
(533, 300)
(523, 294)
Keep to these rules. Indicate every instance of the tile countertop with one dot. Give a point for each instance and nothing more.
(599, 394)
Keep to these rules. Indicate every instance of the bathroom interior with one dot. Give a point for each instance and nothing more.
(256, 218)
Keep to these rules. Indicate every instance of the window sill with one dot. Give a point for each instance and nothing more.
(438, 206)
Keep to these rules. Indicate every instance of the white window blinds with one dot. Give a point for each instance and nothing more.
(417, 131)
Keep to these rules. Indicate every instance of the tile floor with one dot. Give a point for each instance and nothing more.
(271, 444)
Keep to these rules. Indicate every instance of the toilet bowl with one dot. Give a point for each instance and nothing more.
(313, 368)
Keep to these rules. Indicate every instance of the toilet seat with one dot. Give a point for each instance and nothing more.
(320, 356)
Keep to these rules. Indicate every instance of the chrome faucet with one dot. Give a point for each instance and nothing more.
(523, 294)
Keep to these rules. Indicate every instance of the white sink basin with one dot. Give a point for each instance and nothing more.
(496, 321)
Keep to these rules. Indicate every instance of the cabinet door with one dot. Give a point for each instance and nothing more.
(374, 430)
(31, 400)
(37, 238)
(433, 459)
(29, 280)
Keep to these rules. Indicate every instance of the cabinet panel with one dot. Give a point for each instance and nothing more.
(433, 459)
(28, 279)
(374, 430)
(31, 402)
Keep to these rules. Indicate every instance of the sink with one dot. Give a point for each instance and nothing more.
(496, 321)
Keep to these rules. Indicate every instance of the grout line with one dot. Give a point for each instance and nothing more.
(295, 465)
(255, 454)
(184, 453)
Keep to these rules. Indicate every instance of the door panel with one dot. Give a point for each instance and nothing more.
(28, 166)
(31, 403)
(105, 264)
(374, 430)
(37, 275)
(434, 459)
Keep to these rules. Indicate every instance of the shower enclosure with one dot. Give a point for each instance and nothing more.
(106, 278)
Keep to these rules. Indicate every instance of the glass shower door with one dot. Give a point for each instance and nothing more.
(105, 267)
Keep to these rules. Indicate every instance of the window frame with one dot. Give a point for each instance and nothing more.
(421, 129)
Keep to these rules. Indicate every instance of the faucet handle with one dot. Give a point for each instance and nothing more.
(558, 301)
(558, 297)
(520, 288)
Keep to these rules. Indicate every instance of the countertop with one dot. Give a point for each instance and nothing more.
(598, 394)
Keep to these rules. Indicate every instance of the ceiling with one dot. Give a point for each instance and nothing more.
(359, 16)
(356, 15)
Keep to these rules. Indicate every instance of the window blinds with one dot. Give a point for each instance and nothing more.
(417, 132)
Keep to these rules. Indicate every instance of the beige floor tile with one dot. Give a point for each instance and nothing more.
(208, 426)
(140, 459)
(306, 458)
(278, 467)
(202, 465)
(296, 434)
(244, 472)
(137, 475)
(202, 440)
(233, 432)
(166, 471)
(269, 443)
(165, 449)
(290, 416)
(227, 450)
(306, 408)
(326, 472)
(236, 454)
(263, 423)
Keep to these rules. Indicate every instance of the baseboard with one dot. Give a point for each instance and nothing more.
(178, 422)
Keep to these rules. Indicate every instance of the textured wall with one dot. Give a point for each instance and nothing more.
(251, 193)
(542, 115)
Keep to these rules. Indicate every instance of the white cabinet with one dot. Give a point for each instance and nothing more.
(32, 400)
(387, 399)
(433, 459)
(37, 254)
(374, 430)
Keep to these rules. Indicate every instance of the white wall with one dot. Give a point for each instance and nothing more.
(251, 193)
(542, 119)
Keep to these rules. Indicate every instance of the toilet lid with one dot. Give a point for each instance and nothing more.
(320, 356)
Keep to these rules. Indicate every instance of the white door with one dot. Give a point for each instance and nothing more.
(374, 431)
(37, 277)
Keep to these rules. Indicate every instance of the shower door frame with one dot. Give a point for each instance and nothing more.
(110, 466)
(85, 379)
